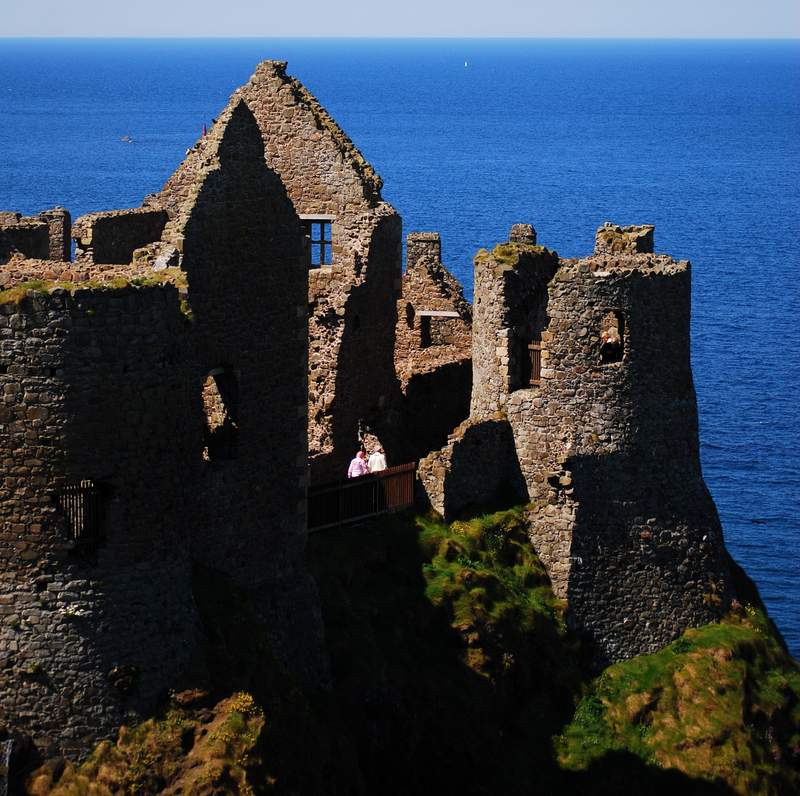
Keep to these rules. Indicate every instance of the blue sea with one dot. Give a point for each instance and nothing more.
(700, 138)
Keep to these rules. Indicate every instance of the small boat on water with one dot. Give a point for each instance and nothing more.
(127, 139)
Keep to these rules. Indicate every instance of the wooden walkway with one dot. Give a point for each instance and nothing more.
(356, 499)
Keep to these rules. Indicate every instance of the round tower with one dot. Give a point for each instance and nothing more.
(97, 433)
(606, 432)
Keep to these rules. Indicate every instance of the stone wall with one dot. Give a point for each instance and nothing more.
(476, 469)
(93, 389)
(605, 435)
(59, 224)
(351, 301)
(23, 235)
(113, 236)
(434, 321)
(634, 239)
(107, 382)
(432, 349)
(243, 255)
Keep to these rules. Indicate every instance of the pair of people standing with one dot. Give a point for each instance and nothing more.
(361, 466)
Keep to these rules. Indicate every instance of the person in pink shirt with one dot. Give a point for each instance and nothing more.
(358, 466)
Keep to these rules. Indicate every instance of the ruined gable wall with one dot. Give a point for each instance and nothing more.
(112, 237)
(427, 285)
(243, 255)
(324, 174)
(93, 389)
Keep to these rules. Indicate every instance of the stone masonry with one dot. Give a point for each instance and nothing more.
(352, 299)
(433, 347)
(103, 374)
(585, 363)
(44, 236)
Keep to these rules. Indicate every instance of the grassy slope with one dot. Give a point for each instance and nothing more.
(722, 703)
(455, 674)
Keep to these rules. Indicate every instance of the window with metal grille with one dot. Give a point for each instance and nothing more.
(528, 362)
(83, 504)
(535, 357)
(319, 234)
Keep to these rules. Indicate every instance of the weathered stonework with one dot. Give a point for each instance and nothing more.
(112, 237)
(104, 383)
(605, 437)
(433, 347)
(351, 301)
(634, 239)
(45, 236)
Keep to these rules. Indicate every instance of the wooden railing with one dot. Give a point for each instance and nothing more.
(358, 498)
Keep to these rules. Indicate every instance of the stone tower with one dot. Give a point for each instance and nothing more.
(583, 397)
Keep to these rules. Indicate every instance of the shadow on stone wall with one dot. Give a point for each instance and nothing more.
(435, 403)
(366, 387)
(484, 470)
(646, 560)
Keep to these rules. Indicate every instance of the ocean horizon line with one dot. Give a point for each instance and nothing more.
(422, 37)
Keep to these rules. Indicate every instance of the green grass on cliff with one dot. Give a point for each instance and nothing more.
(441, 638)
(722, 704)
(454, 673)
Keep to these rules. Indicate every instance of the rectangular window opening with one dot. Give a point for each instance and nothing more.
(83, 505)
(318, 232)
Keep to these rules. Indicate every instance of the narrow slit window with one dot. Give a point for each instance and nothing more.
(83, 506)
(535, 359)
(318, 232)
(526, 361)
(425, 331)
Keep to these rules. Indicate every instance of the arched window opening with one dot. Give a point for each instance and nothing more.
(221, 406)
(612, 337)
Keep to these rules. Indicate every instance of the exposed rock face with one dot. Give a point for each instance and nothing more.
(103, 390)
(586, 363)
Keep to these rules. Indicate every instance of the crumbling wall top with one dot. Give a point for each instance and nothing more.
(634, 239)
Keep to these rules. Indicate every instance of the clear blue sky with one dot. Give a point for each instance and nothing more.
(542, 18)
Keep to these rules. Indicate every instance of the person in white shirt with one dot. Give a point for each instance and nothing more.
(377, 461)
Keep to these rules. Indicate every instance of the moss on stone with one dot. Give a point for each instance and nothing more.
(169, 276)
(721, 703)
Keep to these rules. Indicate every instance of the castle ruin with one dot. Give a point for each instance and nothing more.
(169, 394)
